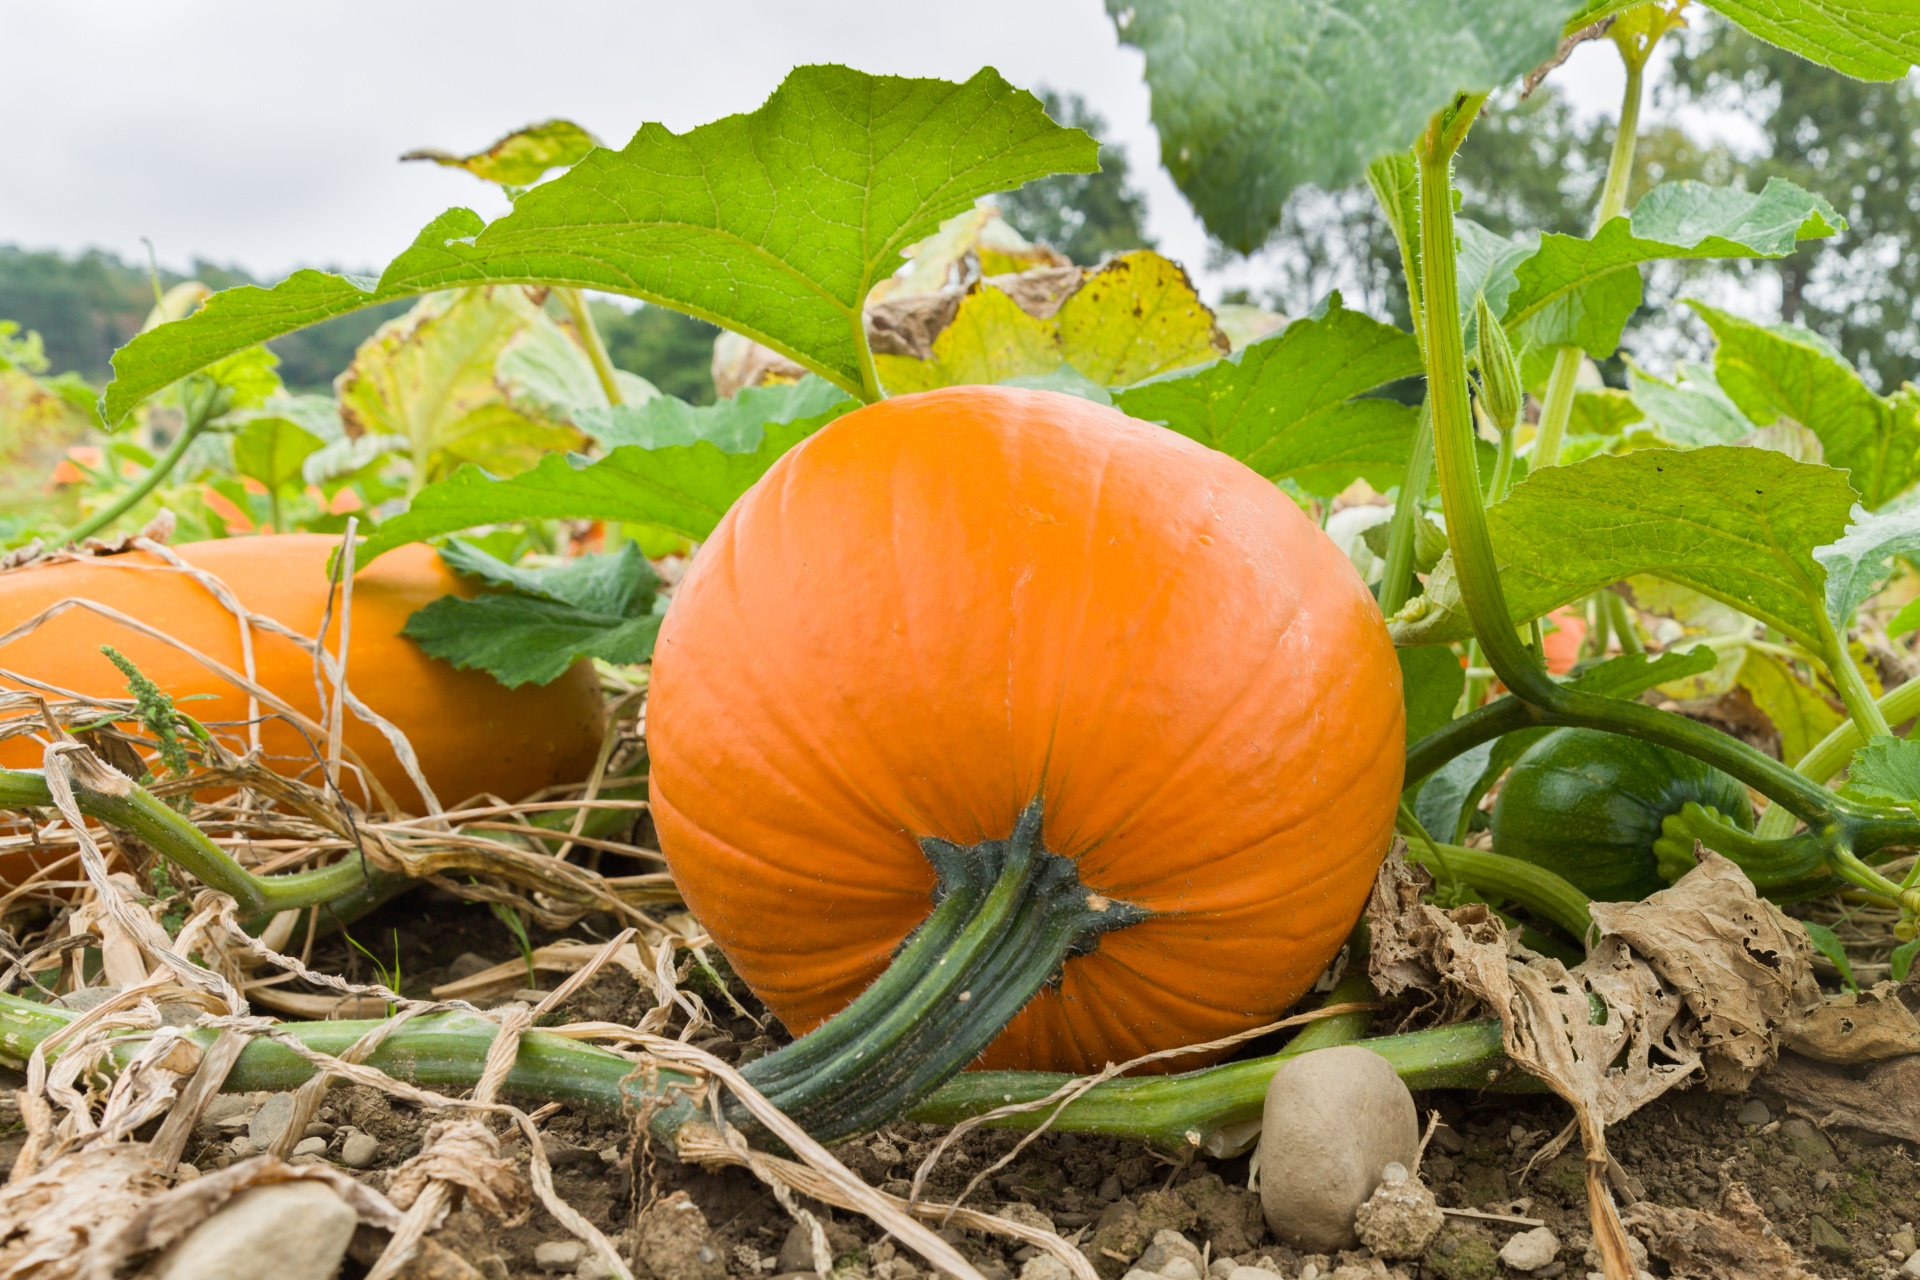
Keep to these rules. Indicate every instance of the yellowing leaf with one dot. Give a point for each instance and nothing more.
(1133, 318)
(523, 157)
(430, 376)
(1797, 710)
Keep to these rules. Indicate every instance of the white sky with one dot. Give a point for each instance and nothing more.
(266, 134)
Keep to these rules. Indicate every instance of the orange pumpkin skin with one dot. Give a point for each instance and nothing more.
(944, 604)
(471, 734)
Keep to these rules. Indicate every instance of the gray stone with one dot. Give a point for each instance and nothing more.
(1401, 1217)
(1335, 1119)
(1754, 1114)
(86, 998)
(1178, 1268)
(1251, 1273)
(358, 1150)
(1166, 1246)
(1044, 1266)
(270, 1121)
(310, 1147)
(1827, 1240)
(287, 1230)
(1221, 1268)
(1910, 1269)
(558, 1255)
(1808, 1144)
(1530, 1250)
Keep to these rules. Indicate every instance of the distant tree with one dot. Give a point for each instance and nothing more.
(1857, 144)
(1086, 216)
(671, 350)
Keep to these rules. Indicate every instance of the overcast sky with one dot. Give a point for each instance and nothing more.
(266, 134)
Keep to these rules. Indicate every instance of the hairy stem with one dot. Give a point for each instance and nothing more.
(576, 304)
(1830, 755)
(1533, 887)
(198, 411)
(1396, 583)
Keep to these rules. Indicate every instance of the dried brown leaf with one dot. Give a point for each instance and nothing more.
(1869, 1026)
(1883, 1098)
(1734, 1242)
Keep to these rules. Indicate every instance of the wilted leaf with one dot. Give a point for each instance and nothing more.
(1581, 292)
(1253, 98)
(597, 606)
(1738, 524)
(523, 157)
(775, 223)
(429, 376)
(1798, 710)
(684, 489)
(543, 373)
(737, 424)
(1285, 406)
(1734, 1242)
(1135, 317)
(1782, 372)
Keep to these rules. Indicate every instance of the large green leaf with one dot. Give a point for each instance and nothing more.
(1431, 679)
(1285, 406)
(599, 606)
(1692, 410)
(736, 424)
(1253, 98)
(684, 489)
(1867, 39)
(775, 223)
(1738, 524)
(1581, 292)
(1775, 373)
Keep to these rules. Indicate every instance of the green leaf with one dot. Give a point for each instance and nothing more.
(775, 223)
(1603, 411)
(1581, 292)
(1135, 317)
(273, 451)
(681, 488)
(736, 424)
(1827, 943)
(1486, 263)
(1902, 959)
(1908, 619)
(1859, 562)
(1690, 411)
(1886, 771)
(1737, 524)
(1866, 39)
(1285, 406)
(599, 606)
(1253, 98)
(522, 157)
(1787, 373)
(1431, 679)
(1797, 710)
(1447, 798)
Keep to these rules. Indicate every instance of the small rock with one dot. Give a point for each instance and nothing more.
(1754, 1114)
(1827, 1240)
(359, 1150)
(672, 1241)
(229, 1110)
(1401, 1217)
(466, 964)
(1111, 1190)
(287, 1230)
(1334, 1119)
(1825, 1180)
(1808, 1144)
(558, 1255)
(1025, 1214)
(1910, 1269)
(310, 1147)
(270, 1121)
(318, 1129)
(1178, 1268)
(1168, 1246)
(593, 1267)
(1448, 1139)
(610, 1156)
(1530, 1250)
(562, 1155)
(1221, 1268)
(1902, 1242)
(1044, 1266)
(885, 1154)
(1250, 1273)
(86, 998)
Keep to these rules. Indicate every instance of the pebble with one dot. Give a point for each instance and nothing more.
(1168, 1247)
(270, 1121)
(1448, 1139)
(317, 1129)
(1825, 1180)
(1044, 1266)
(1401, 1217)
(558, 1255)
(287, 1230)
(1827, 1240)
(1221, 1268)
(1754, 1114)
(1530, 1250)
(1250, 1273)
(1177, 1268)
(1335, 1118)
(359, 1150)
(310, 1147)
(1910, 1269)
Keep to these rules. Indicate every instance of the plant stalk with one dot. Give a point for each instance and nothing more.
(198, 411)
(575, 303)
(1396, 582)
(1534, 887)
(1830, 755)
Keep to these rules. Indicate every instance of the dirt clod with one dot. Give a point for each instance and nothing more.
(1401, 1218)
(673, 1242)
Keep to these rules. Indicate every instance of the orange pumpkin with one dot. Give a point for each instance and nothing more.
(471, 734)
(944, 605)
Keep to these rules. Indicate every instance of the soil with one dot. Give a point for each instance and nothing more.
(1846, 1201)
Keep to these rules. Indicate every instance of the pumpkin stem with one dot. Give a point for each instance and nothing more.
(1007, 914)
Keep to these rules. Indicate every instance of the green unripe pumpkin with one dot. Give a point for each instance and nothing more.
(1588, 805)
